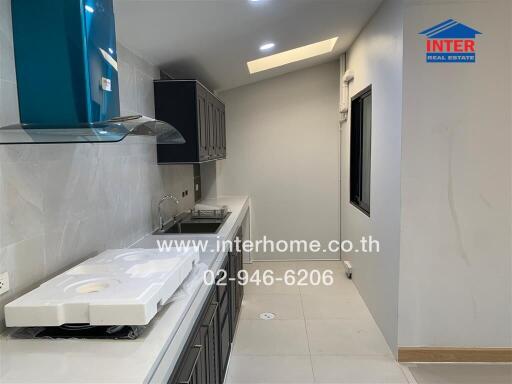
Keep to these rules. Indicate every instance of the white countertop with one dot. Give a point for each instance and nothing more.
(149, 358)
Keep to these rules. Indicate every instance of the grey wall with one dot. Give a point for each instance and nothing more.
(376, 59)
(455, 274)
(282, 139)
(60, 204)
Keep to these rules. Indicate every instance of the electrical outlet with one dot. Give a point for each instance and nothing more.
(4, 282)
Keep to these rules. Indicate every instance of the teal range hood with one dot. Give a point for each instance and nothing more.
(67, 76)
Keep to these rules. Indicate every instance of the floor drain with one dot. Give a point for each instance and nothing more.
(267, 316)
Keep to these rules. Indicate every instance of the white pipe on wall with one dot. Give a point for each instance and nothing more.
(346, 79)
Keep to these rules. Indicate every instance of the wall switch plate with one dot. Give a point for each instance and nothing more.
(4, 282)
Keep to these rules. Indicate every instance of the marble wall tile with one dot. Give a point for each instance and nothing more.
(9, 112)
(127, 87)
(7, 67)
(21, 202)
(74, 241)
(72, 185)
(144, 85)
(7, 70)
(25, 262)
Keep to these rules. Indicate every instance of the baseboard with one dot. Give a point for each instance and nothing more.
(454, 355)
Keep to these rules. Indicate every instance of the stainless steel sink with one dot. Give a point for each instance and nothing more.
(191, 225)
(194, 227)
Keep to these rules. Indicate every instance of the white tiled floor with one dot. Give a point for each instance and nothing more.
(327, 335)
(319, 335)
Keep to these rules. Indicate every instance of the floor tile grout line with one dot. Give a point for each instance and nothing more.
(307, 335)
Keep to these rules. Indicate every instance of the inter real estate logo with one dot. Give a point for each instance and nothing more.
(450, 42)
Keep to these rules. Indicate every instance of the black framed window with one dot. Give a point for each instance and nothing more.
(360, 150)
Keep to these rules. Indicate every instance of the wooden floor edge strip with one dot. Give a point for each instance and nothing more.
(454, 355)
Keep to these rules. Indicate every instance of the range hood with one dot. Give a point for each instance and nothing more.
(67, 77)
(103, 132)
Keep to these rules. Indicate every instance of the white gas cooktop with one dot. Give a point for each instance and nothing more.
(117, 287)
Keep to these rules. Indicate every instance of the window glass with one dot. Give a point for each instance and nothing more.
(360, 150)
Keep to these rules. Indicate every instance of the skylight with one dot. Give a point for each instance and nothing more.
(292, 56)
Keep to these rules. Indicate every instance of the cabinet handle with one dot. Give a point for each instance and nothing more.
(208, 322)
(188, 375)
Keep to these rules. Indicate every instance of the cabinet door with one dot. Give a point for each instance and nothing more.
(223, 131)
(224, 345)
(237, 290)
(210, 326)
(240, 266)
(202, 123)
(211, 128)
(218, 128)
(234, 290)
(224, 313)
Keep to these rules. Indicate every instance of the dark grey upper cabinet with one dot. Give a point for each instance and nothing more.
(198, 115)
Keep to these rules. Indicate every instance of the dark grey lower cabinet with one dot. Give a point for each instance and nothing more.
(236, 290)
(205, 358)
(195, 362)
(211, 352)
(224, 340)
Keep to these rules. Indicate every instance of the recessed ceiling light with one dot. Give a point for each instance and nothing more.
(291, 56)
(267, 46)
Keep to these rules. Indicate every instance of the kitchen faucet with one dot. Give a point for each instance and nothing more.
(160, 217)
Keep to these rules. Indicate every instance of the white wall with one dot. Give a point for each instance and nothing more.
(62, 203)
(376, 59)
(282, 140)
(455, 273)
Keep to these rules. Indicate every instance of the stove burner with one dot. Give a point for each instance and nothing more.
(80, 331)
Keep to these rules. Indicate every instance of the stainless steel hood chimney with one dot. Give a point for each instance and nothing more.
(67, 76)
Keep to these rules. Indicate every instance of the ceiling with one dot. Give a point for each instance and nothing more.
(211, 40)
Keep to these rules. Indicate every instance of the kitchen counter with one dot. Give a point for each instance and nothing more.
(150, 358)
